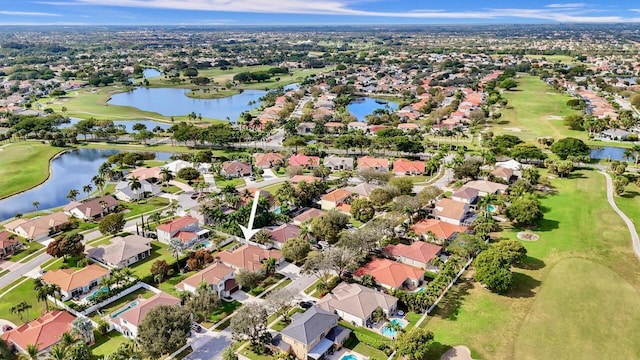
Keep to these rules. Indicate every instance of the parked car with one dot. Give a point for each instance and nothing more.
(306, 304)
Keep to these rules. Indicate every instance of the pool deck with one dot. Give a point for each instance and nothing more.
(379, 326)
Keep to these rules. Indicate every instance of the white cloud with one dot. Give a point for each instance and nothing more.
(559, 12)
(26, 13)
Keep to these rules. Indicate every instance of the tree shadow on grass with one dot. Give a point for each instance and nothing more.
(547, 225)
(523, 286)
(630, 194)
(531, 263)
(503, 122)
(576, 175)
(436, 350)
(449, 306)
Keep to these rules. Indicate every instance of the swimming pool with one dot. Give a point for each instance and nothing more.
(95, 293)
(491, 208)
(349, 357)
(119, 312)
(386, 331)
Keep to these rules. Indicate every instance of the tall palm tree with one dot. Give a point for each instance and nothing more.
(73, 194)
(155, 217)
(21, 309)
(31, 353)
(83, 327)
(99, 182)
(57, 352)
(485, 203)
(166, 175)
(87, 189)
(66, 339)
(262, 237)
(633, 153)
(176, 247)
(35, 205)
(135, 185)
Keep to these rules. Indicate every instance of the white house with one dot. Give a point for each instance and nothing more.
(131, 315)
(185, 228)
(218, 277)
(124, 192)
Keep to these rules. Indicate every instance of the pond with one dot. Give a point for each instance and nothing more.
(82, 163)
(150, 124)
(174, 102)
(150, 73)
(609, 153)
(362, 107)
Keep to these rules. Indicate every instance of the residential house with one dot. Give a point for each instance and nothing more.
(419, 254)
(39, 228)
(305, 128)
(8, 244)
(130, 317)
(391, 274)
(152, 174)
(186, 229)
(335, 199)
(307, 215)
(408, 167)
(334, 127)
(177, 165)
(122, 251)
(296, 179)
(356, 303)
(358, 125)
(92, 209)
(465, 195)
(282, 233)
(312, 333)
(486, 187)
(428, 228)
(43, 332)
(513, 165)
(218, 277)
(73, 282)
(124, 192)
(267, 160)
(615, 134)
(505, 174)
(235, 168)
(362, 189)
(406, 127)
(367, 162)
(338, 163)
(451, 211)
(304, 161)
(248, 257)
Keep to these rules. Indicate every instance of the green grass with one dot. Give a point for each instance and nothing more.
(366, 336)
(535, 109)
(629, 203)
(212, 94)
(312, 288)
(361, 348)
(235, 182)
(106, 310)
(159, 251)
(171, 189)
(107, 344)
(24, 165)
(253, 356)
(282, 284)
(183, 353)
(28, 249)
(144, 206)
(225, 309)
(273, 188)
(496, 326)
(24, 292)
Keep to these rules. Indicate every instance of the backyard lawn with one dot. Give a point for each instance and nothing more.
(107, 344)
(24, 292)
(535, 109)
(24, 165)
(159, 251)
(581, 276)
(235, 182)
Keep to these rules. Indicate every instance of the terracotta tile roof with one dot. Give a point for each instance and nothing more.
(4, 239)
(267, 159)
(309, 214)
(177, 224)
(336, 196)
(69, 279)
(211, 275)
(502, 172)
(404, 166)
(236, 167)
(306, 178)
(451, 209)
(465, 193)
(389, 272)
(145, 173)
(249, 257)
(135, 315)
(185, 236)
(367, 162)
(439, 228)
(44, 331)
(418, 251)
(304, 160)
(284, 232)
(41, 225)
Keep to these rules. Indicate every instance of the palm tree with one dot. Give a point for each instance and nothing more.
(166, 175)
(269, 266)
(155, 217)
(57, 352)
(135, 185)
(83, 327)
(73, 194)
(31, 353)
(633, 153)
(35, 205)
(42, 293)
(20, 309)
(66, 339)
(393, 326)
(99, 182)
(87, 189)
(262, 237)
(176, 247)
(486, 202)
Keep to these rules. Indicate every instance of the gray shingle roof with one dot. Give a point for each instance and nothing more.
(308, 326)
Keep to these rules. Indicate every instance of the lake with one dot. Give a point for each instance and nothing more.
(174, 102)
(609, 152)
(71, 170)
(362, 107)
(150, 73)
(150, 124)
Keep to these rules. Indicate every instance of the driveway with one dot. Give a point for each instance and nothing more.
(209, 345)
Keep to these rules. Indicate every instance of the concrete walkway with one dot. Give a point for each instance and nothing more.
(635, 240)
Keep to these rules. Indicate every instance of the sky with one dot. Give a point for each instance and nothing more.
(313, 12)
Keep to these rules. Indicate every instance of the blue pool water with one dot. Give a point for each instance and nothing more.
(117, 313)
(492, 208)
(93, 294)
(349, 357)
(390, 332)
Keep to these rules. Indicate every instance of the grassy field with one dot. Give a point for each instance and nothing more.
(24, 292)
(24, 165)
(629, 203)
(535, 109)
(159, 251)
(212, 94)
(107, 344)
(510, 326)
(145, 206)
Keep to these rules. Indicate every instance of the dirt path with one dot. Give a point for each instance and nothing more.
(635, 240)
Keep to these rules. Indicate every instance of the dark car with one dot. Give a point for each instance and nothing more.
(305, 304)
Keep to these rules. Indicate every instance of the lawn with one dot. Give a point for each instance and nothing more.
(213, 93)
(535, 109)
(144, 206)
(499, 326)
(107, 344)
(226, 308)
(629, 203)
(159, 251)
(273, 188)
(29, 248)
(24, 165)
(361, 348)
(24, 292)
(235, 182)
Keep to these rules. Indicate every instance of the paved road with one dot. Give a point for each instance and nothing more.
(16, 273)
(635, 240)
(210, 345)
